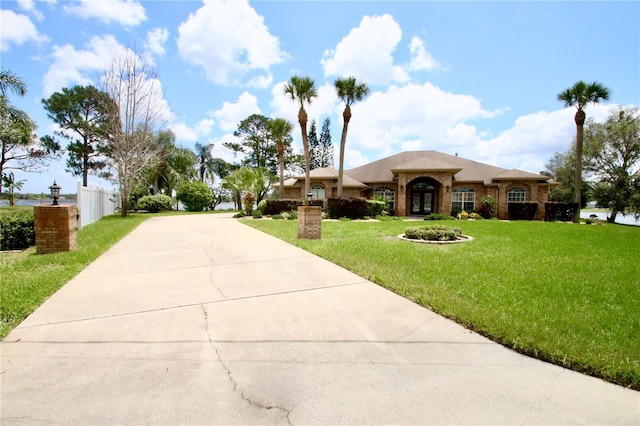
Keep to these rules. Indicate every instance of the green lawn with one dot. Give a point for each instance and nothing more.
(28, 279)
(564, 293)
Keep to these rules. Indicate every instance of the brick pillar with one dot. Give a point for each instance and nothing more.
(309, 222)
(55, 228)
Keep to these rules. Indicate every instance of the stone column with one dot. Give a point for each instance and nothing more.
(55, 228)
(310, 222)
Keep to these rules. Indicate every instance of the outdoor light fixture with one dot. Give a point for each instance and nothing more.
(55, 193)
(309, 196)
(448, 188)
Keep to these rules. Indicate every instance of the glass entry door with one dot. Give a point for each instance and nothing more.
(422, 202)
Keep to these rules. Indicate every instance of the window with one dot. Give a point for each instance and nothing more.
(386, 193)
(463, 198)
(317, 191)
(516, 194)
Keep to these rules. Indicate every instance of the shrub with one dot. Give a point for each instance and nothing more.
(433, 233)
(487, 206)
(239, 215)
(195, 196)
(353, 208)
(276, 217)
(279, 206)
(522, 210)
(562, 212)
(257, 214)
(292, 215)
(16, 231)
(374, 208)
(438, 216)
(249, 199)
(262, 206)
(155, 203)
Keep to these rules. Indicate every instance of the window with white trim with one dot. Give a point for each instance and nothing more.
(317, 191)
(386, 193)
(516, 194)
(463, 198)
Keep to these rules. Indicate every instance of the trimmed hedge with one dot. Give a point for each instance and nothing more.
(17, 231)
(433, 233)
(155, 203)
(522, 210)
(287, 205)
(352, 208)
(559, 212)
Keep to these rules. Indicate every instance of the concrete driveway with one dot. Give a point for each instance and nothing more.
(203, 320)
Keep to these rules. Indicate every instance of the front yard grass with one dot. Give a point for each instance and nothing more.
(564, 293)
(28, 279)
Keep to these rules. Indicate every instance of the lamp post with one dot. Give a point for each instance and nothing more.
(55, 193)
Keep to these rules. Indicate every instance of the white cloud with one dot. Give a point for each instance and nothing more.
(205, 125)
(73, 66)
(17, 29)
(156, 39)
(420, 58)
(326, 104)
(230, 41)
(183, 132)
(534, 136)
(128, 13)
(231, 114)
(29, 6)
(414, 116)
(367, 52)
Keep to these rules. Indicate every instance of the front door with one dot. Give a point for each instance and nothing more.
(422, 199)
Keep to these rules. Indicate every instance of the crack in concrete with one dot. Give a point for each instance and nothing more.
(233, 381)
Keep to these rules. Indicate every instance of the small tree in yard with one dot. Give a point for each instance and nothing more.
(195, 196)
(83, 114)
(138, 112)
(612, 155)
(19, 147)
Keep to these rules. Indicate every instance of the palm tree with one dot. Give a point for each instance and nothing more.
(349, 91)
(205, 161)
(580, 95)
(10, 81)
(303, 90)
(280, 130)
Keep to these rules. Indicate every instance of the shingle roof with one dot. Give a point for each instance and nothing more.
(468, 171)
(515, 174)
(327, 173)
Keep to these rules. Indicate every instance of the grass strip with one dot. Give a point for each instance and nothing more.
(564, 293)
(28, 279)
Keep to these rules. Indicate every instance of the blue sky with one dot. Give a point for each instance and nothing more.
(475, 78)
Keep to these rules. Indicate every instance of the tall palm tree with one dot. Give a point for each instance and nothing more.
(580, 95)
(280, 130)
(349, 91)
(205, 161)
(303, 90)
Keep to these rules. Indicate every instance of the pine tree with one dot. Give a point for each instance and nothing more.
(326, 147)
(314, 147)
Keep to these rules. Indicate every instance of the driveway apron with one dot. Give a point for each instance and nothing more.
(201, 319)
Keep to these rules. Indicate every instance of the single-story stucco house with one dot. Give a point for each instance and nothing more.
(423, 182)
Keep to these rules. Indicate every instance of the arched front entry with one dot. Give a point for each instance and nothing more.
(422, 195)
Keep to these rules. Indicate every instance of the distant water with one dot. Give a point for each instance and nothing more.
(46, 201)
(624, 220)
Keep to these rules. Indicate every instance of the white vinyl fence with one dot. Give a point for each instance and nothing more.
(95, 202)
